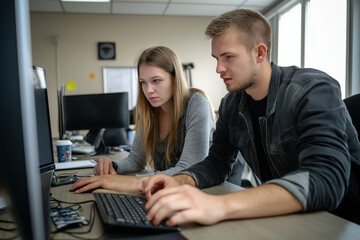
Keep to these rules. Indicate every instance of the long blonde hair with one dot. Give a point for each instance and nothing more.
(147, 118)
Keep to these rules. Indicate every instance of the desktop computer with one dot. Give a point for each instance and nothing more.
(20, 179)
(105, 115)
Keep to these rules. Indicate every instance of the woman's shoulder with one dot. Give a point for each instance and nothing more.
(197, 98)
(197, 103)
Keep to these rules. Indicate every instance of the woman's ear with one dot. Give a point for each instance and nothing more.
(261, 52)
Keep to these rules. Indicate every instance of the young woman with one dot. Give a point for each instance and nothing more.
(174, 125)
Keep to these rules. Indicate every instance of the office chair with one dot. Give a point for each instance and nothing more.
(352, 104)
(242, 174)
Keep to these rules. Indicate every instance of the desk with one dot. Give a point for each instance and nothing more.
(317, 225)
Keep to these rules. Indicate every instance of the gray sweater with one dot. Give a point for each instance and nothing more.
(194, 136)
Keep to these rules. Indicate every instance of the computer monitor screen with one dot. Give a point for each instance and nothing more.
(20, 180)
(46, 155)
(96, 111)
(61, 94)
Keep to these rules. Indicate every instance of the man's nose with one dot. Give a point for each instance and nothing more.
(220, 68)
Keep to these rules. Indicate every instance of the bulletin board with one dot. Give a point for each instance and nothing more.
(121, 79)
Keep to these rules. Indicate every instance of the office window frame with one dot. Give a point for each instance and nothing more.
(288, 12)
(352, 75)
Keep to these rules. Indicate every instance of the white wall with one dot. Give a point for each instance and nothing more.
(77, 37)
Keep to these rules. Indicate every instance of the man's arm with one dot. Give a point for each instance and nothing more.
(185, 179)
(262, 201)
(189, 204)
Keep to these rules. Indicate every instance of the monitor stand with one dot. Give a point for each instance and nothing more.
(99, 144)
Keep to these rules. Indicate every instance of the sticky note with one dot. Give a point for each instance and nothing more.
(71, 86)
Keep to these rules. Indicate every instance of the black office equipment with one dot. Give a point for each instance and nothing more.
(3, 204)
(20, 179)
(96, 112)
(111, 136)
(45, 147)
(60, 98)
(46, 154)
(126, 213)
(352, 104)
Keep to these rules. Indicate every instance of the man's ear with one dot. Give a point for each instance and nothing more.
(261, 52)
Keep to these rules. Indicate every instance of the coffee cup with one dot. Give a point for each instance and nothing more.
(63, 148)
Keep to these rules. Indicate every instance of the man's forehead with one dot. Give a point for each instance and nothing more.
(225, 45)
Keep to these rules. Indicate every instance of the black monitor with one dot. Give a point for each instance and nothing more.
(104, 115)
(96, 111)
(20, 181)
(61, 94)
(45, 146)
(46, 154)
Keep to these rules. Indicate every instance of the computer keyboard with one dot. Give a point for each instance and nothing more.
(126, 212)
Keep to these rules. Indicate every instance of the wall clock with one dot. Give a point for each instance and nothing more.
(106, 50)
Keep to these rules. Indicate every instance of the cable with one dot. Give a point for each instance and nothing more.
(8, 229)
(13, 237)
(91, 218)
(61, 201)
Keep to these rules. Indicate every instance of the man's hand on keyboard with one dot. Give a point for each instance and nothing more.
(182, 204)
(104, 167)
(118, 183)
(161, 181)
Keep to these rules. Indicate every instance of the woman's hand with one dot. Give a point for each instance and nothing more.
(118, 183)
(104, 167)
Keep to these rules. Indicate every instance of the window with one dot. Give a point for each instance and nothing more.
(325, 45)
(325, 39)
(290, 37)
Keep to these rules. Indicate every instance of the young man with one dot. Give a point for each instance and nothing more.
(290, 125)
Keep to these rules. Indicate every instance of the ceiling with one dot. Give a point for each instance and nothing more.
(152, 7)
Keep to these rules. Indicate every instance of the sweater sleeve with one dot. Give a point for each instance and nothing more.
(199, 127)
(135, 162)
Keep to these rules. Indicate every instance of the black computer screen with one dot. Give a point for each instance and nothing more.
(61, 94)
(46, 155)
(20, 180)
(96, 111)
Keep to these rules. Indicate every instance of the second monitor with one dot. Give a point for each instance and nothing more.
(96, 111)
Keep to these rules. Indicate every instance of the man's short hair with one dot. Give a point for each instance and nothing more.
(253, 27)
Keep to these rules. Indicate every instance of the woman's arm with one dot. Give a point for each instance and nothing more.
(135, 162)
